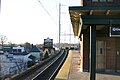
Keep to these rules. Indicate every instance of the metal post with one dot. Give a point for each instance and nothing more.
(93, 53)
(89, 50)
(59, 24)
(0, 6)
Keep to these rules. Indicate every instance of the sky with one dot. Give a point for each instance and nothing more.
(33, 21)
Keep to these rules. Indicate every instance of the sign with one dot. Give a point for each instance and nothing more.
(114, 31)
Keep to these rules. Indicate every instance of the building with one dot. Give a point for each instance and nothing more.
(12, 49)
(100, 3)
(97, 24)
(13, 63)
(18, 49)
(7, 48)
(36, 52)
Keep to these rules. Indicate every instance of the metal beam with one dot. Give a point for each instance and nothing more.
(100, 16)
(94, 8)
(100, 20)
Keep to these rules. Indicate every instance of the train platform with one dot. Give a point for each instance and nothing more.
(71, 70)
(63, 73)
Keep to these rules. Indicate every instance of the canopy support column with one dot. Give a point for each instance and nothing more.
(93, 52)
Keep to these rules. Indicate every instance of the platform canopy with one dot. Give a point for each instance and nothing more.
(82, 17)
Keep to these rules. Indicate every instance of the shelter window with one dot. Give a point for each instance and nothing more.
(110, 0)
(102, 0)
(95, 0)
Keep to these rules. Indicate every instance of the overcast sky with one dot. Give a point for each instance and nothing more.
(27, 20)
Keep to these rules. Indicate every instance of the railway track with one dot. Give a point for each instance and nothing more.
(45, 69)
(50, 72)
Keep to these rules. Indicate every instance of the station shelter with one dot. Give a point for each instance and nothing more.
(98, 29)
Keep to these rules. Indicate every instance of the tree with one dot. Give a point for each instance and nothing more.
(3, 39)
(27, 46)
(10, 43)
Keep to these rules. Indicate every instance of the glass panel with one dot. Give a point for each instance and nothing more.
(102, 0)
(94, 0)
(110, 0)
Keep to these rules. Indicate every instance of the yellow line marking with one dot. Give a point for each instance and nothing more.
(64, 71)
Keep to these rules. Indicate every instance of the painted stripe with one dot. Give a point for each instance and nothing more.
(63, 73)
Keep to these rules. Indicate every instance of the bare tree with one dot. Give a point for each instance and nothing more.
(10, 43)
(3, 39)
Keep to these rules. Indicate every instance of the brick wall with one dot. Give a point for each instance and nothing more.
(90, 3)
(85, 51)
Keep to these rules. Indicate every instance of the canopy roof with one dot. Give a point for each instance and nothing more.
(82, 17)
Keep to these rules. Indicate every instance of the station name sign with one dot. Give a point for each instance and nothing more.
(114, 31)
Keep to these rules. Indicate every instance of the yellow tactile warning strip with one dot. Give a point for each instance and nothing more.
(64, 71)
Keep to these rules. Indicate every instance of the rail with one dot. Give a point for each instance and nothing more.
(50, 72)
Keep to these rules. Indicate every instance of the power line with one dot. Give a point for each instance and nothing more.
(47, 12)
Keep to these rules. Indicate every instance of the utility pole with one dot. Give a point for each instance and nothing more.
(60, 27)
(0, 6)
(59, 24)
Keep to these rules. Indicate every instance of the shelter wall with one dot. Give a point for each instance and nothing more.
(112, 60)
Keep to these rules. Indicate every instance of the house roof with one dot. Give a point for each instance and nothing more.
(34, 49)
(23, 53)
(32, 57)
